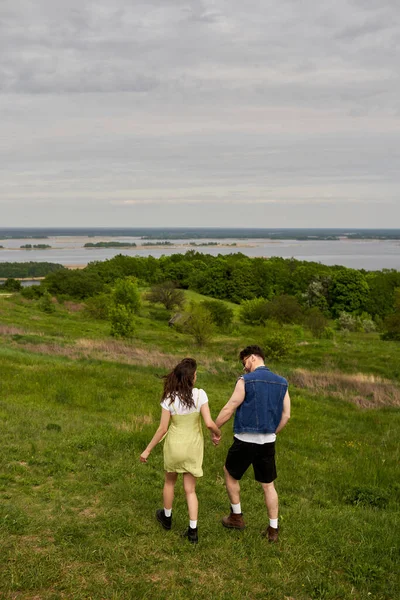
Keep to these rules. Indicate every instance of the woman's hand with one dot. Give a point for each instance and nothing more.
(215, 439)
(144, 456)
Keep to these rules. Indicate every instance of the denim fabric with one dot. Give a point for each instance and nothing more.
(261, 410)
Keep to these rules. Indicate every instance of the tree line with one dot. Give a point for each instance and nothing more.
(264, 287)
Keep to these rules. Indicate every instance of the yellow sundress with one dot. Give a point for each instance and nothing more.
(184, 444)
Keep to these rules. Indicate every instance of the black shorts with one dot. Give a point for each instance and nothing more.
(243, 454)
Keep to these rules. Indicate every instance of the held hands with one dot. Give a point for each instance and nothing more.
(215, 439)
(144, 456)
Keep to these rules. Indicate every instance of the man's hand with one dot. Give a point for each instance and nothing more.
(215, 439)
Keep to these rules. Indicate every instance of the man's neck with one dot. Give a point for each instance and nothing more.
(258, 363)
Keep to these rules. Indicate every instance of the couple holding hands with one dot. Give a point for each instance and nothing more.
(261, 404)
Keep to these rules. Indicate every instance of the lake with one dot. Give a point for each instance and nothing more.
(68, 250)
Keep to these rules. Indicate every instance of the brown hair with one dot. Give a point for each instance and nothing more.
(179, 382)
(249, 350)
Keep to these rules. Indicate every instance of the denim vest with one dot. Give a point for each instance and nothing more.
(261, 410)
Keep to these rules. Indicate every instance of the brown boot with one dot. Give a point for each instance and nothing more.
(272, 534)
(234, 521)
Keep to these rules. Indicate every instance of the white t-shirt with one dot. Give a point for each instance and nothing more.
(177, 408)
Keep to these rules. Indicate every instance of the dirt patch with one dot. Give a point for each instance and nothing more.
(11, 330)
(367, 391)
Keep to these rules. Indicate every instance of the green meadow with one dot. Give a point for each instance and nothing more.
(77, 508)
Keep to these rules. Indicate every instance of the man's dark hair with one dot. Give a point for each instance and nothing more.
(256, 350)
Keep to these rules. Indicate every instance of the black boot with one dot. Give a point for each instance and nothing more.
(166, 522)
(192, 535)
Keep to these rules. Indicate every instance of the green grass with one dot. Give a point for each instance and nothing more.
(77, 507)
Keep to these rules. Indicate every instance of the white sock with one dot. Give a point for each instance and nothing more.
(192, 524)
(167, 512)
(236, 509)
(273, 523)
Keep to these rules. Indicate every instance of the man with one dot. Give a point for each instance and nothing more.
(262, 404)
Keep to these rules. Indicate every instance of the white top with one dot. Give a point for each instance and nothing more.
(176, 408)
(256, 438)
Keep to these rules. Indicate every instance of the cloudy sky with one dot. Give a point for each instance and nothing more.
(256, 113)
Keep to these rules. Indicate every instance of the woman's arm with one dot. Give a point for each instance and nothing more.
(159, 434)
(209, 423)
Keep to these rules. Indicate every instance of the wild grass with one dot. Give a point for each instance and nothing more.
(77, 507)
(367, 391)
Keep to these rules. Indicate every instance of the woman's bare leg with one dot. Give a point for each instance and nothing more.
(169, 489)
(189, 485)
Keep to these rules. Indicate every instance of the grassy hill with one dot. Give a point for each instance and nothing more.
(77, 507)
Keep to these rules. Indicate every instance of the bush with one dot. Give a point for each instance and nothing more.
(167, 294)
(328, 333)
(11, 285)
(74, 283)
(46, 303)
(277, 345)
(348, 322)
(392, 323)
(254, 312)
(125, 293)
(285, 309)
(221, 314)
(32, 292)
(367, 496)
(98, 307)
(316, 322)
(121, 318)
(198, 323)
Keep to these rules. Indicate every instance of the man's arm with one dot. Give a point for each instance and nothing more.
(285, 413)
(234, 401)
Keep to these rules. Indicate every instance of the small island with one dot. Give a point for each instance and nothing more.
(165, 243)
(110, 245)
(35, 246)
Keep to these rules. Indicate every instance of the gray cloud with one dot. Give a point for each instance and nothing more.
(199, 101)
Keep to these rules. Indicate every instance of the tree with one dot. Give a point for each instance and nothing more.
(12, 285)
(125, 293)
(221, 313)
(254, 312)
(348, 292)
(392, 322)
(316, 322)
(285, 309)
(75, 283)
(199, 324)
(167, 294)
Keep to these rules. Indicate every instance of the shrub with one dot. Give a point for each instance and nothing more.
(46, 303)
(74, 283)
(98, 307)
(32, 292)
(392, 323)
(285, 309)
(221, 313)
(11, 285)
(121, 318)
(277, 345)
(367, 496)
(254, 312)
(198, 323)
(125, 293)
(316, 322)
(348, 322)
(167, 294)
(328, 333)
